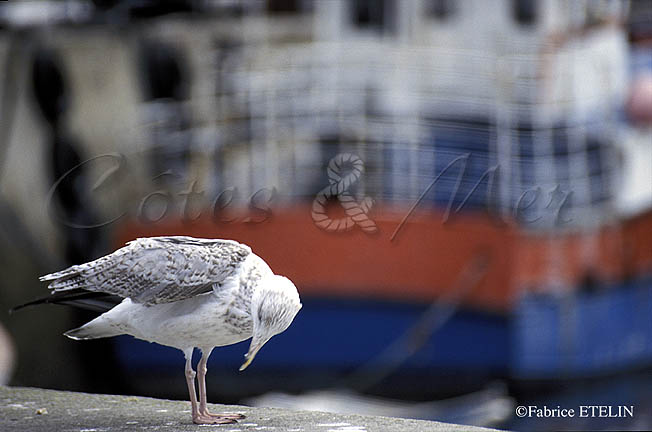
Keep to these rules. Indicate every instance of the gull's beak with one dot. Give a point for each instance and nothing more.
(253, 350)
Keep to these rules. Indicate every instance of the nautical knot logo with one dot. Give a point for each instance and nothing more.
(356, 211)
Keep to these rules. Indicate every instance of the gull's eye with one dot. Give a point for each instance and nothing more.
(265, 317)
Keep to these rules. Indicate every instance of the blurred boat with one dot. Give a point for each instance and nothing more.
(454, 308)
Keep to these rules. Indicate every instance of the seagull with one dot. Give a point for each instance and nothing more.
(182, 292)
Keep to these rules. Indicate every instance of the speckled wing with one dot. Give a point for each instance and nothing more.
(156, 270)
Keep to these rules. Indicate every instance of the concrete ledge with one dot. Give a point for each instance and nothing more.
(36, 410)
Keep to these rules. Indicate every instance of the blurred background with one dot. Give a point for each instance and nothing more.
(507, 155)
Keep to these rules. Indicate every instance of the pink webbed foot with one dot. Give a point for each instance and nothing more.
(213, 419)
(232, 416)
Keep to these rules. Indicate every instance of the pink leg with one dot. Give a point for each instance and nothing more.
(201, 379)
(197, 416)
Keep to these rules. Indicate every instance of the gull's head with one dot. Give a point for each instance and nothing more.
(273, 307)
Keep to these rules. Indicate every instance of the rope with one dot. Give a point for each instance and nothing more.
(356, 212)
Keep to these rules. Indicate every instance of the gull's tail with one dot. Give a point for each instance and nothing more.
(98, 328)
